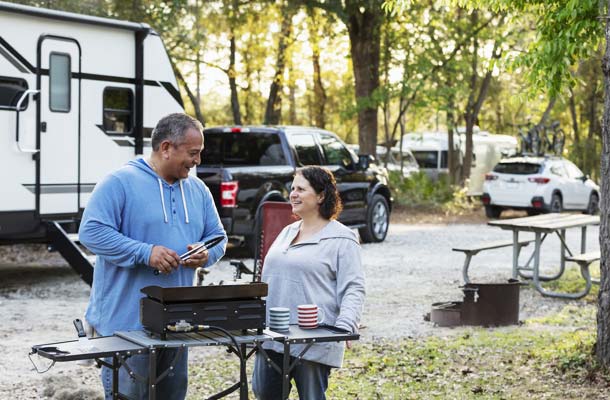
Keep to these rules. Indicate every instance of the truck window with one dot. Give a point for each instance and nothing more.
(335, 152)
(59, 82)
(117, 110)
(11, 90)
(306, 148)
(242, 149)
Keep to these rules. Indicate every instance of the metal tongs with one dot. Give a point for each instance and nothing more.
(198, 249)
(201, 247)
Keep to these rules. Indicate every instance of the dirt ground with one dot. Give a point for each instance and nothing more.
(413, 268)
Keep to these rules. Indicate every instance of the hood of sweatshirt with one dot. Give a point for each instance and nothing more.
(332, 230)
(143, 165)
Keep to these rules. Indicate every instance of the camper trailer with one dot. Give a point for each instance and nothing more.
(430, 149)
(79, 96)
(487, 151)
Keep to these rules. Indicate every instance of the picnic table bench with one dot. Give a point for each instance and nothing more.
(472, 250)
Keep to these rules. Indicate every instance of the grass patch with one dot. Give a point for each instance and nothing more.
(546, 358)
(572, 282)
(508, 363)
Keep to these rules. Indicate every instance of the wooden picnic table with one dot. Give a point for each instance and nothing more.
(542, 226)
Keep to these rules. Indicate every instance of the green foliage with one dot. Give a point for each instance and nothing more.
(420, 191)
(567, 31)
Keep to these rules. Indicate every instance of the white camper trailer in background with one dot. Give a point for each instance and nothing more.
(487, 151)
(430, 149)
(79, 96)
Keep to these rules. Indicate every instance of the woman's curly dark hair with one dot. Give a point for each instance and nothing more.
(323, 181)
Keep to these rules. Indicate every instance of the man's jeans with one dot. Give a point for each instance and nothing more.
(311, 378)
(172, 387)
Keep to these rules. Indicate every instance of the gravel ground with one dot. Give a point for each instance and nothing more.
(413, 268)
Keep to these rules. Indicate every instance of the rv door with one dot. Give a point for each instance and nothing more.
(59, 125)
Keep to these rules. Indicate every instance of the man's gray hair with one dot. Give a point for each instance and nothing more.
(173, 127)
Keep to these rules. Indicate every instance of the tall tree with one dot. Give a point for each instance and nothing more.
(319, 93)
(273, 111)
(363, 19)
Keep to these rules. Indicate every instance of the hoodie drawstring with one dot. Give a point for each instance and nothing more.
(186, 210)
(162, 200)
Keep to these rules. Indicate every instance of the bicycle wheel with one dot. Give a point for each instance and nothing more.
(559, 139)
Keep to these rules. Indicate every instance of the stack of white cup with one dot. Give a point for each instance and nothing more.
(279, 319)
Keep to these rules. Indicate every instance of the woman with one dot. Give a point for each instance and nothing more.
(313, 261)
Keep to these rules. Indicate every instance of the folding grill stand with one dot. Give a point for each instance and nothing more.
(123, 345)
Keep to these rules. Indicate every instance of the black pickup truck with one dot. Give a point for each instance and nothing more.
(245, 166)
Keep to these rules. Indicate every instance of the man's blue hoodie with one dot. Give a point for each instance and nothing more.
(129, 212)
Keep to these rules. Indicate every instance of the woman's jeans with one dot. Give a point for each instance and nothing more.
(311, 378)
(172, 387)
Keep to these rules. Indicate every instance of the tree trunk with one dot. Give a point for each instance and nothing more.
(603, 311)
(292, 99)
(273, 111)
(363, 27)
(473, 106)
(452, 155)
(319, 93)
(232, 83)
(403, 131)
(574, 115)
(192, 97)
(547, 112)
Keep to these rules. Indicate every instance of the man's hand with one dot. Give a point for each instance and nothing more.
(196, 260)
(164, 259)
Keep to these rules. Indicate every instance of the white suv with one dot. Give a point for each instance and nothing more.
(538, 185)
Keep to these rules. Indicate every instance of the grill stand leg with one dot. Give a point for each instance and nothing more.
(115, 376)
(285, 370)
(243, 377)
(152, 374)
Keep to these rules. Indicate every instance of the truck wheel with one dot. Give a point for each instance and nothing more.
(493, 212)
(377, 220)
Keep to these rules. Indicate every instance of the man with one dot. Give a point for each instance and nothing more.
(138, 220)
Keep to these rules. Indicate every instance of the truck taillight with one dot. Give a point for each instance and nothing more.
(491, 177)
(539, 179)
(228, 194)
(236, 129)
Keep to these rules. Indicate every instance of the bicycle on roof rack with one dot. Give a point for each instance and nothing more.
(540, 140)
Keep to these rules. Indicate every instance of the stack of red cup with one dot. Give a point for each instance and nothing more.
(308, 316)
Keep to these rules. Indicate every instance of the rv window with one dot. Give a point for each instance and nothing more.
(59, 82)
(426, 159)
(118, 105)
(11, 90)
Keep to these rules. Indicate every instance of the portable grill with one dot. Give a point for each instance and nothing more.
(228, 306)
